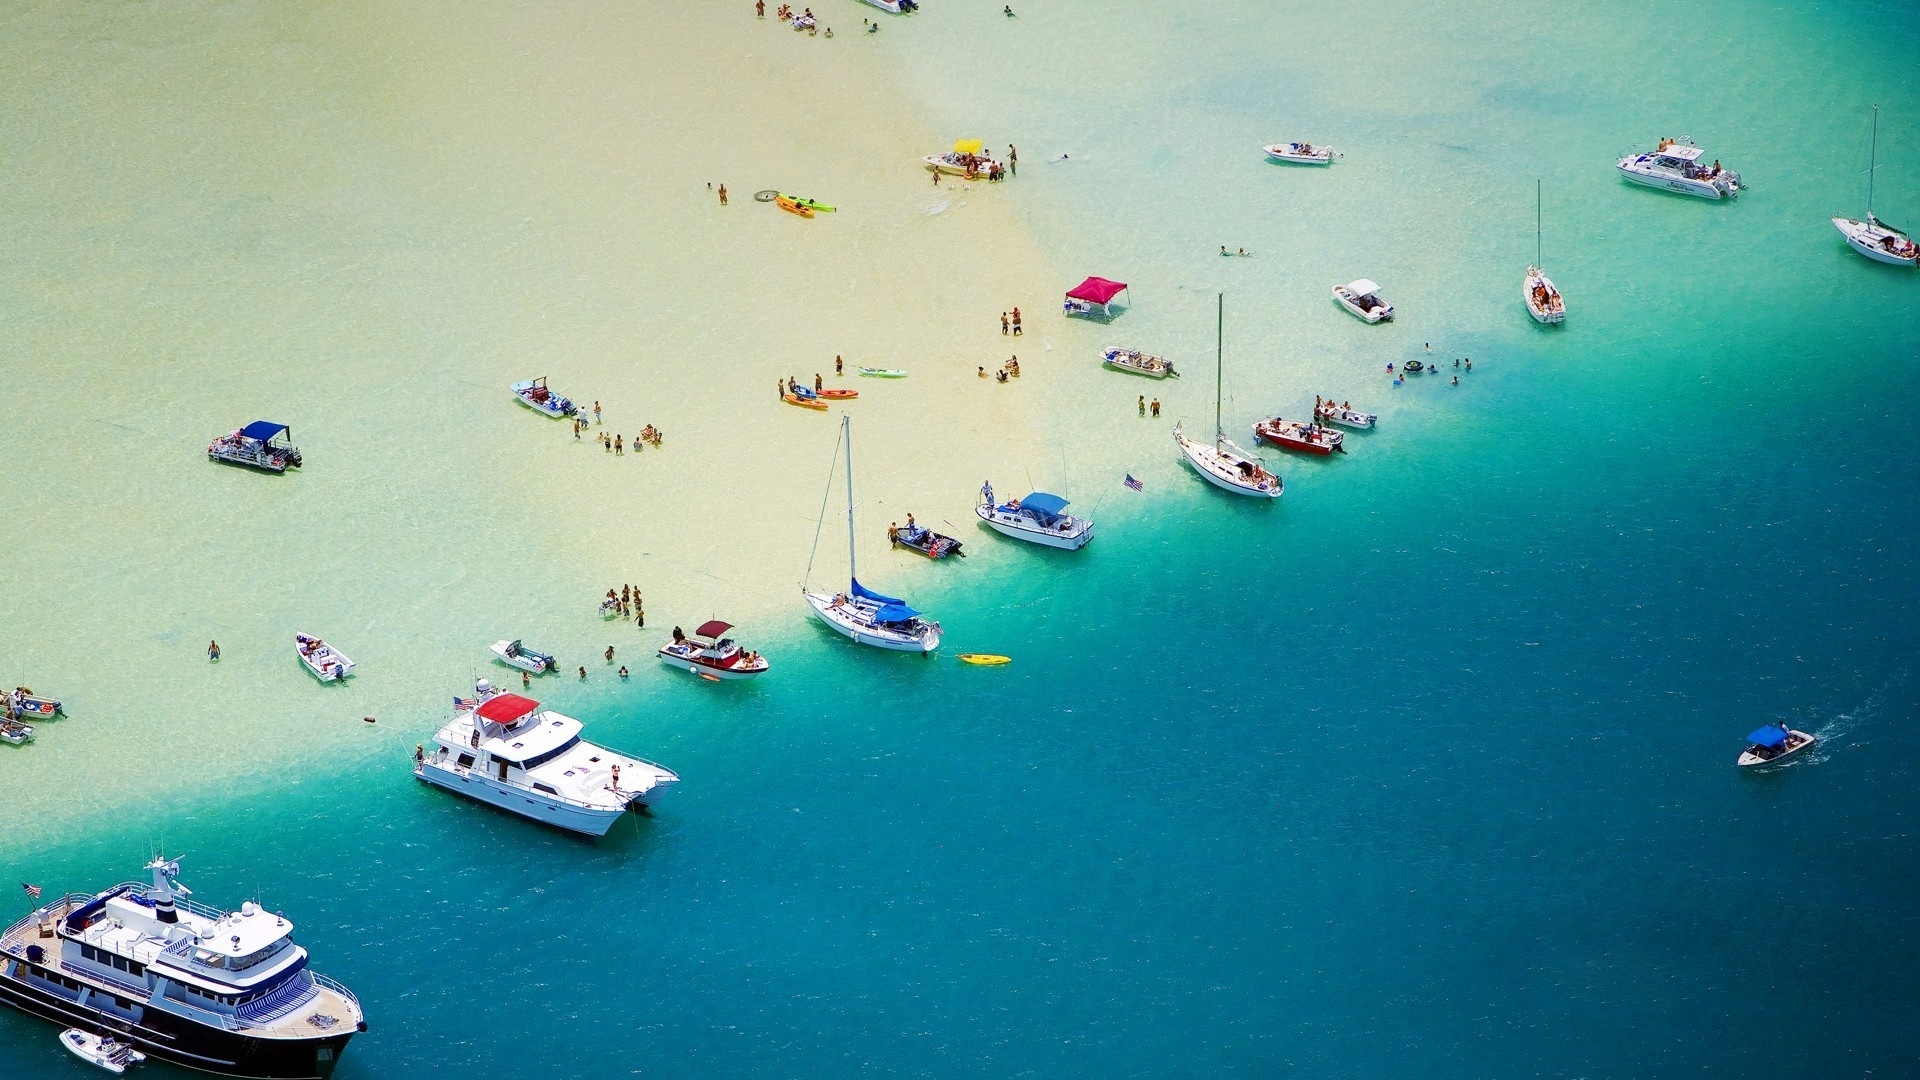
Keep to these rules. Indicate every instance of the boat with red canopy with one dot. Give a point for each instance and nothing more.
(1094, 293)
(710, 654)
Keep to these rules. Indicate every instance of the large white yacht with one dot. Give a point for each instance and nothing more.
(1674, 165)
(223, 992)
(504, 750)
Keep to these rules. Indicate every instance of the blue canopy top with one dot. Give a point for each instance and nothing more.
(1770, 737)
(895, 612)
(1043, 504)
(262, 430)
(863, 591)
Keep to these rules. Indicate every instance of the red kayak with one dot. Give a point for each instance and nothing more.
(836, 392)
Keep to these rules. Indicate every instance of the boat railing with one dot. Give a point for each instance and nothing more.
(335, 986)
(136, 991)
(283, 999)
(64, 905)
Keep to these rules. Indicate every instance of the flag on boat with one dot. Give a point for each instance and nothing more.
(1135, 484)
(33, 891)
(464, 704)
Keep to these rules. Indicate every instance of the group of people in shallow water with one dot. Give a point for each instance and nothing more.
(1008, 370)
(617, 444)
(626, 603)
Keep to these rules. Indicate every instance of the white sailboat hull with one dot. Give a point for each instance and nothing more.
(1554, 310)
(1211, 464)
(1866, 237)
(845, 619)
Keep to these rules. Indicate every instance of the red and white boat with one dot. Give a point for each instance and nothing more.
(710, 654)
(1294, 435)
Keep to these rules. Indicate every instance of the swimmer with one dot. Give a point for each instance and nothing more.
(609, 654)
(1456, 380)
(1009, 10)
(983, 370)
(1223, 249)
(1062, 157)
(829, 31)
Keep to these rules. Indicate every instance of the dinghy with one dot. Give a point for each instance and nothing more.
(919, 538)
(22, 702)
(101, 1051)
(514, 654)
(1329, 413)
(15, 732)
(327, 663)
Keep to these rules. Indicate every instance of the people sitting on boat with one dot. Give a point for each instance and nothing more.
(678, 637)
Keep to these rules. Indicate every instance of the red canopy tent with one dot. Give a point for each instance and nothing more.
(1094, 291)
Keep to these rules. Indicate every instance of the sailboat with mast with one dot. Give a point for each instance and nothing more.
(868, 617)
(1223, 464)
(1544, 302)
(1874, 238)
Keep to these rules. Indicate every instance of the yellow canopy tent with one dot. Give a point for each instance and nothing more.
(968, 146)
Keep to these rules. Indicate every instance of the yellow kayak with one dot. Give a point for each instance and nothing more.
(984, 658)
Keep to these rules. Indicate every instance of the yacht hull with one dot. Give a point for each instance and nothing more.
(1022, 529)
(1698, 188)
(577, 819)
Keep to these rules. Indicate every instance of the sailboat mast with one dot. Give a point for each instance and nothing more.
(846, 430)
(1219, 362)
(1537, 260)
(1873, 160)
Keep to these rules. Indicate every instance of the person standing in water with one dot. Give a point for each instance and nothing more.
(1013, 161)
(1143, 404)
(213, 650)
(836, 364)
(1155, 407)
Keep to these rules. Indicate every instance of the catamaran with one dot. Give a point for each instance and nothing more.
(1223, 464)
(868, 617)
(1544, 302)
(1874, 238)
(1674, 165)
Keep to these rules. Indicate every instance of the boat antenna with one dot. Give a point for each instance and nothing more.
(846, 429)
(820, 523)
(1219, 362)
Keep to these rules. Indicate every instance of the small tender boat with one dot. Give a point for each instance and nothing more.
(1874, 238)
(1329, 413)
(1362, 299)
(15, 732)
(1294, 435)
(804, 400)
(1121, 358)
(533, 393)
(985, 659)
(807, 204)
(261, 445)
(1772, 743)
(101, 1051)
(327, 663)
(1300, 153)
(923, 540)
(792, 207)
(1039, 518)
(1674, 165)
(708, 652)
(883, 373)
(514, 654)
(22, 702)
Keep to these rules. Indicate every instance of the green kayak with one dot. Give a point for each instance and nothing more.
(883, 373)
(811, 204)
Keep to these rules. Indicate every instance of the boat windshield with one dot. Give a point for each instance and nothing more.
(538, 760)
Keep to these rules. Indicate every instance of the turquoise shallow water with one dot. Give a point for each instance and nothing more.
(1425, 771)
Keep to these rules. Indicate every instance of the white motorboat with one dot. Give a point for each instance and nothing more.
(1039, 518)
(533, 393)
(1223, 464)
(514, 654)
(1674, 165)
(101, 1051)
(1300, 153)
(868, 617)
(968, 158)
(503, 750)
(1307, 438)
(15, 732)
(1362, 298)
(1874, 238)
(327, 663)
(228, 992)
(710, 654)
(24, 702)
(1329, 413)
(896, 6)
(1772, 744)
(1121, 358)
(1544, 302)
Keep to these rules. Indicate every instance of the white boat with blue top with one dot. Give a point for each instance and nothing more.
(261, 445)
(1773, 743)
(868, 617)
(1039, 518)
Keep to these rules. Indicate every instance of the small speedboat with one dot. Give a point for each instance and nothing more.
(23, 702)
(1121, 358)
(883, 373)
(1773, 743)
(1039, 518)
(955, 163)
(15, 732)
(919, 538)
(1674, 165)
(514, 654)
(709, 653)
(1329, 413)
(1300, 153)
(327, 663)
(533, 393)
(101, 1051)
(1295, 435)
(1362, 298)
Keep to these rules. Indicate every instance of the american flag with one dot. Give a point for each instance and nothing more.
(464, 704)
(1134, 484)
(33, 891)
